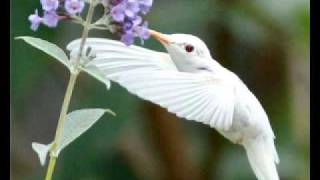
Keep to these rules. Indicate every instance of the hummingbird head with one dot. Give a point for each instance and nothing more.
(188, 52)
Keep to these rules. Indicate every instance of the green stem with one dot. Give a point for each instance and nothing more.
(86, 29)
(64, 110)
(67, 97)
(59, 131)
(51, 166)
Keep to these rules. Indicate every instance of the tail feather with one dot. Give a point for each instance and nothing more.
(262, 157)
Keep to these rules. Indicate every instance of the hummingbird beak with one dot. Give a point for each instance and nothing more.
(162, 38)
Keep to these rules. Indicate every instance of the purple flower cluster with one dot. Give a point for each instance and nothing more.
(126, 16)
(126, 13)
(50, 17)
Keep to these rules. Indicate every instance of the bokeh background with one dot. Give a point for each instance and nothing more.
(265, 42)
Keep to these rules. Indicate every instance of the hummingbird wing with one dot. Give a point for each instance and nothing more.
(152, 76)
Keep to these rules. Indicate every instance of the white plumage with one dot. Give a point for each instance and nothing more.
(193, 86)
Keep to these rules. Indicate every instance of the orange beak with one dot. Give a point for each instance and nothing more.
(162, 38)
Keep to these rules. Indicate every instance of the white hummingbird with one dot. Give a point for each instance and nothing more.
(187, 81)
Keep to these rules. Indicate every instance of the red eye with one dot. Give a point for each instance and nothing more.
(189, 48)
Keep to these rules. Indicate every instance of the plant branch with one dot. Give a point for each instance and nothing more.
(60, 127)
(86, 29)
(67, 97)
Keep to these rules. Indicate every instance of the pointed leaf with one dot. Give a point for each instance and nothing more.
(98, 74)
(104, 20)
(78, 122)
(42, 151)
(47, 47)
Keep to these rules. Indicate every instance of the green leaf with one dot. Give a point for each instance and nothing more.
(78, 122)
(103, 21)
(42, 151)
(98, 74)
(47, 47)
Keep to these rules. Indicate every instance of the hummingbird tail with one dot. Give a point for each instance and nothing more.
(262, 157)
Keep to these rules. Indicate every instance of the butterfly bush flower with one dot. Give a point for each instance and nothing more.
(35, 20)
(74, 6)
(142, 31)
(126, 13)
(113, 2)
(131, 8)
(145, 6)
(124, 16)
(128, 38)
(117, 13)
(51, 19)
(50, 5)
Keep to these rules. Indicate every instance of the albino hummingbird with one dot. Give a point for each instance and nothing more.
(188, 82)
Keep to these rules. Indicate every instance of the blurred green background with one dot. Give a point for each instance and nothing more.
(265, 42)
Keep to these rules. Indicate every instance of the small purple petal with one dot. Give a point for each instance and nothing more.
(117, 13)
(74, 6)
(127, 26)
(144, 9)
(133, 5)
(51, 19)
(129, 13)
(142, 31)
(145, 6)
(131, 8)
(136, 20)
(49, 5)
(35, 20)
(147, 2)
(128, 38)
(112, 2)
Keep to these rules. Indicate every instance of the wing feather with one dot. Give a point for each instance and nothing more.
(152, 76)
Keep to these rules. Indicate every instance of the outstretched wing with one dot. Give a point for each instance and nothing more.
(153, 76)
